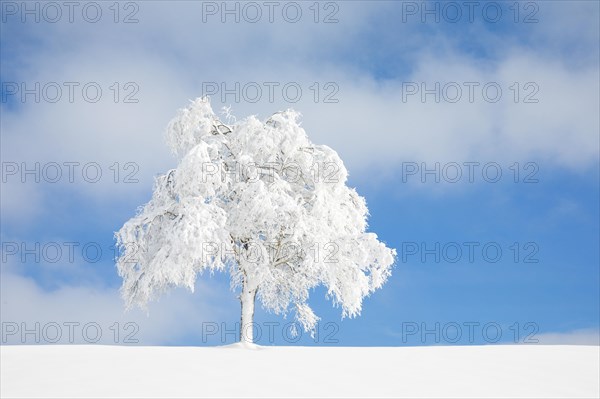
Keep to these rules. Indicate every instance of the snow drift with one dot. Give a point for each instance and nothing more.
(255, 371)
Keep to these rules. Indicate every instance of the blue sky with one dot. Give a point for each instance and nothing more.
(366, 61)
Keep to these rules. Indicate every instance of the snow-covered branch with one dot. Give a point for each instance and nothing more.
(275, 205)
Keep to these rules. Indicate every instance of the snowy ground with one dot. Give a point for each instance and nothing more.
(460, 371)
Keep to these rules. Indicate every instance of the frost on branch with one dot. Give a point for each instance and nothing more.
(262, 202)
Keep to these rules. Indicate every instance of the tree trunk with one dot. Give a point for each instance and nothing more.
(247, 298)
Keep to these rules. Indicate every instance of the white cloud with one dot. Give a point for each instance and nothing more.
(176, 316)
(584, 336)
(171, 52)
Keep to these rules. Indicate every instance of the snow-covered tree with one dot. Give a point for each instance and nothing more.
(261, 201)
